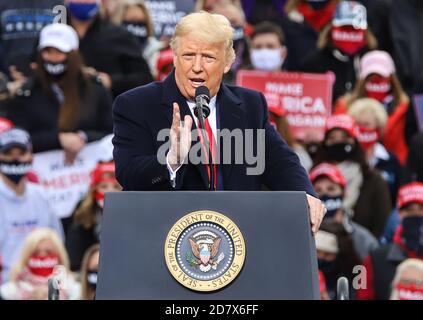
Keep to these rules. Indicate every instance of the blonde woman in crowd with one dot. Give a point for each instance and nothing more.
(371, 118)
(42, 253)
(408, 281)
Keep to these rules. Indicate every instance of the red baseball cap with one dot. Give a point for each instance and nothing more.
(97, 175)
(410, 193)
(343, 122)
(330, 171)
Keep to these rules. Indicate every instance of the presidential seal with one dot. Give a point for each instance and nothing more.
(205, 251)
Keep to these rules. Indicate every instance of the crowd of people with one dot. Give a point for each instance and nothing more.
(57, 86)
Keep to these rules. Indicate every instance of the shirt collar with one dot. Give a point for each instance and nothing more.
(212, 105)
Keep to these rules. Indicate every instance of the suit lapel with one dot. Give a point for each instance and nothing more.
(231, 116)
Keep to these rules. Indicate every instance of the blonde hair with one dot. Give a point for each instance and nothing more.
(208, 27)
(403, 266)
(370, 106)
(86, 293)
(30, 246)
(125, 4)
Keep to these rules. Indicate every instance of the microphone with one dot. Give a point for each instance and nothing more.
(202, 99)
(53, 289)
(342, 290)
(202, 111)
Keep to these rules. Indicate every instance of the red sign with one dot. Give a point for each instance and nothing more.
(304, 98)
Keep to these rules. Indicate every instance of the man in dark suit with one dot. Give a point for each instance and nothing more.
(203, 52)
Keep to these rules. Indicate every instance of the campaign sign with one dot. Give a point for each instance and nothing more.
(304, 98)
(67, 183)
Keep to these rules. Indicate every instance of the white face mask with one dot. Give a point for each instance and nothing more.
(266, 59)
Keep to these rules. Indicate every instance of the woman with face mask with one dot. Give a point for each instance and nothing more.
(378, 80)
(340, 46)
(302, 22)
(336, 255)
(366, 193)
(329, 184)
(89, 272)
(408, 243)
(86, 227)
(408, 281)
(371, 118)
(62, 107)
(42, 256)
(135, 18)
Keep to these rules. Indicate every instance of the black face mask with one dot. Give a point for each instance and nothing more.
(92, 279)
(15, 170)
(139, 30)
(328, 267)
(312, 149)
(332, 204)
(55, 70)
(413, 233)
(340, 151)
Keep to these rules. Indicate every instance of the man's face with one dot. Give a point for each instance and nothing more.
(412, 210)
(266, 41)
(198, 63)
(325, 186)
(338, 136)
(16, 154)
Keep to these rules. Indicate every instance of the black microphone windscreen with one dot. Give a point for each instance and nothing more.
(203, 90)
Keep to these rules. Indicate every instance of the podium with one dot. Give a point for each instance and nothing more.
(235, 246)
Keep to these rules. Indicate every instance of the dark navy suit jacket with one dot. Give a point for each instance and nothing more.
(141, 113)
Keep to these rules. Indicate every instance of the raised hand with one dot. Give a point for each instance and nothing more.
(180, 138)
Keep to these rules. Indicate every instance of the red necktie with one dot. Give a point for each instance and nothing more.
(212, 142)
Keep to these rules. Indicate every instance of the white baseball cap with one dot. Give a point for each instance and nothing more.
(376, 61)
(59, 36)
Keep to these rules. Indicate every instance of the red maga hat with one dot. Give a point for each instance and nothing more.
(97, 175)
(410, 193)
(328, 170)
(343, 122)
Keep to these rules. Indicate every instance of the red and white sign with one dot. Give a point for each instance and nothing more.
(304, 98)
(66, 184)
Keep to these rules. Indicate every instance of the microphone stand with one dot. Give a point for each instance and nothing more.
(207, 144)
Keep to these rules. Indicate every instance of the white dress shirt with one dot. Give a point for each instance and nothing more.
(213, 124)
